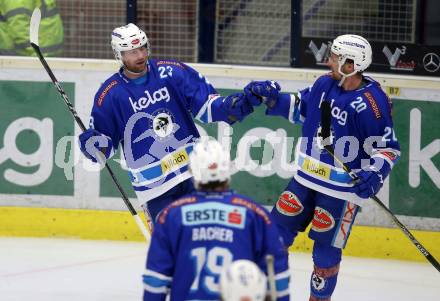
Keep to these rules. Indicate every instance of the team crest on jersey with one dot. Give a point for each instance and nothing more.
(162, 124)
(289, 204)
(322, 220)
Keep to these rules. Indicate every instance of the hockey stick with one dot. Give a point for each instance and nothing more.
(33, 33)
(325, 132)
(271, 277)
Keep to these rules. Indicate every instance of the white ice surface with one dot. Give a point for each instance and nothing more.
(65, 269)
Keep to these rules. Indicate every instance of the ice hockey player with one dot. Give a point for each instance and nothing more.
(148, 107)
(243, 280)
(362, 134)
(198, 235)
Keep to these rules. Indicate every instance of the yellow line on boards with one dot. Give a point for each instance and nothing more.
(120, 225)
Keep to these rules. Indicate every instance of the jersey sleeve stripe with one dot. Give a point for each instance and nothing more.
(205, 113)
(293, 110)
(285, 274)
(155, 282)
(157, 275)
(155, 290)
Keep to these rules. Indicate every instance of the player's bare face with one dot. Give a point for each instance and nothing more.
(135, 59)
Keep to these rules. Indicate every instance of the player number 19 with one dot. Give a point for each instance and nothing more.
(213, 261)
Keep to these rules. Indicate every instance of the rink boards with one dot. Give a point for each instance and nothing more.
(47, 189)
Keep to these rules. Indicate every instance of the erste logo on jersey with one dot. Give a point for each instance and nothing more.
(289, 204)
(161, 94)
(214, 213)
(322, 220)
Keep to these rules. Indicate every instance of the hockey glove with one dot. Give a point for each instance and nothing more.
(92, 142)
(369, 183)
(262, 91)
(236, 107)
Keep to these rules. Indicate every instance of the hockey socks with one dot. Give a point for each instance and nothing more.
(323, 283)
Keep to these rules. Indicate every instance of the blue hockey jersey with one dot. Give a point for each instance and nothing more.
(152, 118)
(361, 134)
(196, 236)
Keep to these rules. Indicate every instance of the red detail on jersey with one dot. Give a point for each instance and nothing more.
(135, 42)
(373, 105)
(347, 219)
(177, 64)
(234, 217)
(104, 92)
(254, 207)
(289, 204)
(164, 213)
(322, 220)
(390, 155)
(213, 166)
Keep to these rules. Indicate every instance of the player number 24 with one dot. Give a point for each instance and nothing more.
(212, 261)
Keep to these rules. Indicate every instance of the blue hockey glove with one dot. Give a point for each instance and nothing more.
(236, 107)
(91, 142)
(262, 91)
(368, 184)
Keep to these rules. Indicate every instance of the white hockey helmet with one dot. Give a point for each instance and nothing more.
(209, 162)
(243, 280)
(128, 37)
(355, 48)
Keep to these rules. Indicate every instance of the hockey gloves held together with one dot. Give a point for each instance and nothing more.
(237, 107)
(262, 92)
(93, 144)
(368, 184)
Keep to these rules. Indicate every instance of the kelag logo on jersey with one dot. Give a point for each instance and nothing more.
(214, 213)
(145, 102)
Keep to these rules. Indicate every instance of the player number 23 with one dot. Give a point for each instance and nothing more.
(211, 261)
(165, 71)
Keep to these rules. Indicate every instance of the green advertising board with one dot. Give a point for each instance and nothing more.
(33, 119)
(415, 180)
